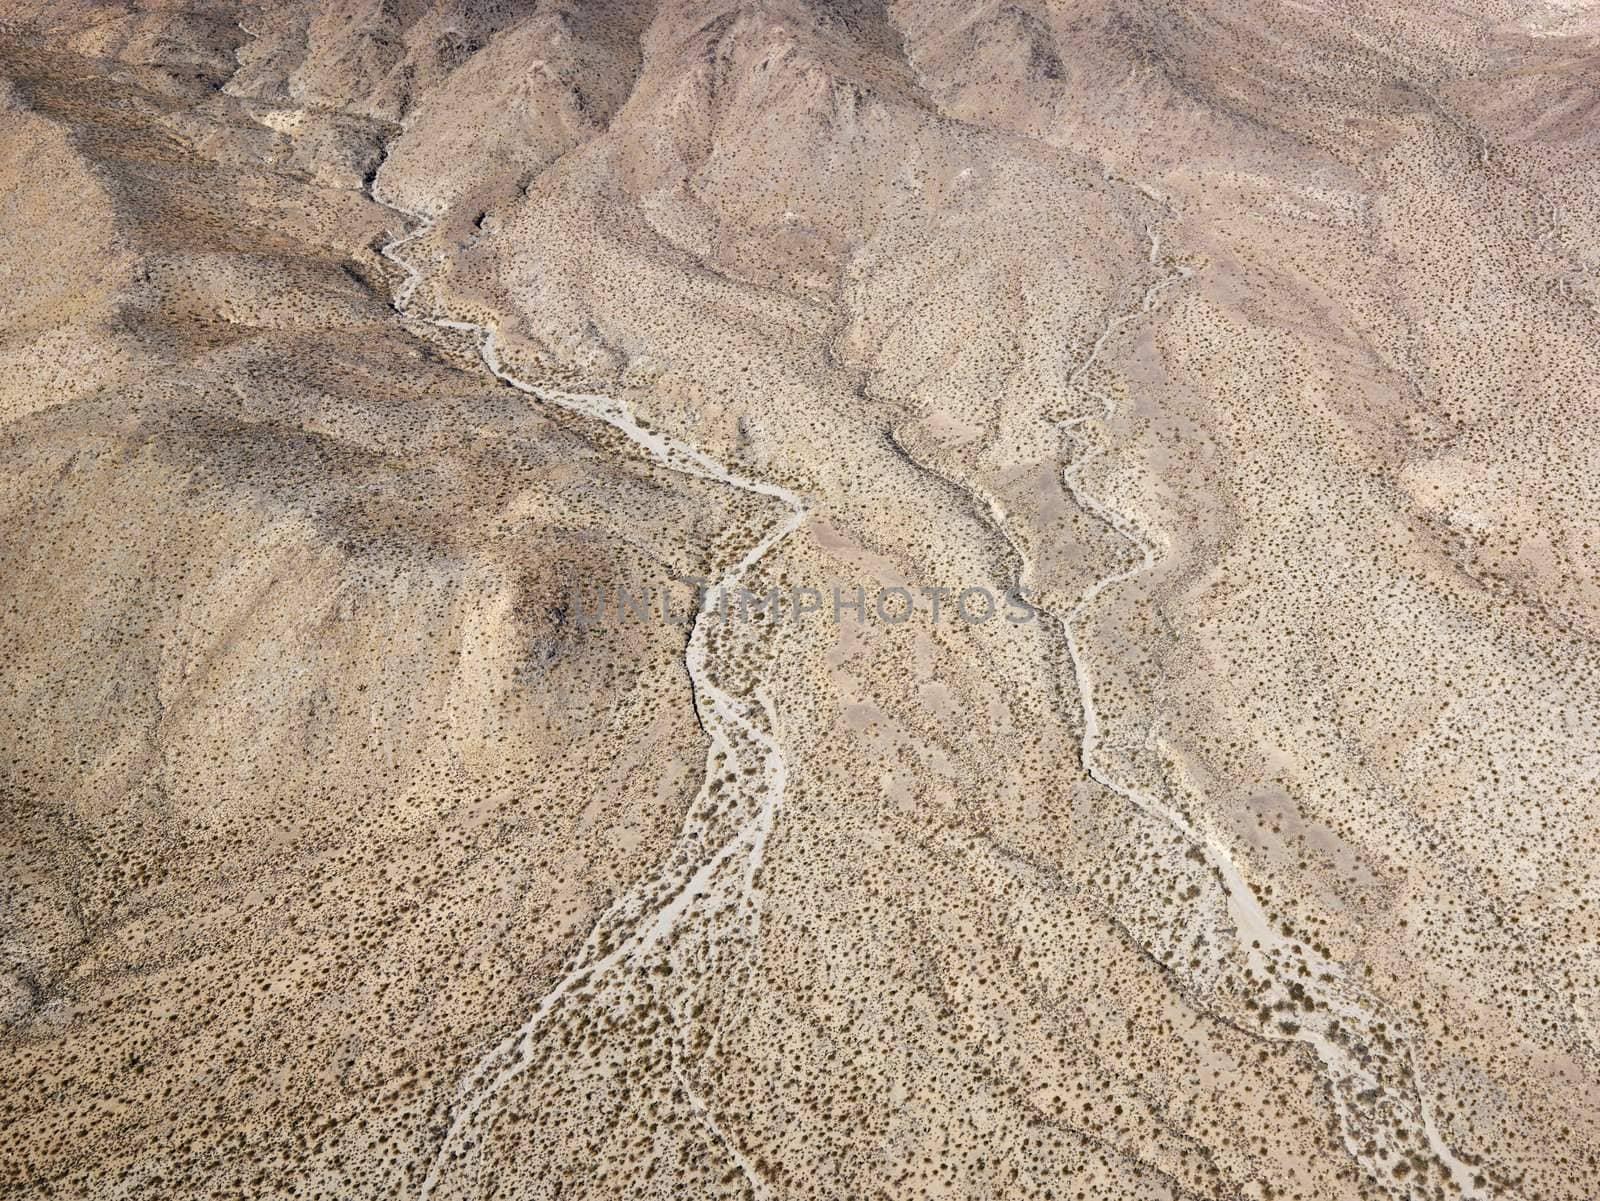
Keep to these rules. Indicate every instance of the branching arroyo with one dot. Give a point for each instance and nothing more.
(709, 880)
(1375, 1088)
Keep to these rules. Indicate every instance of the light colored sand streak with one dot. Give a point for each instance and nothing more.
(655, 908)
(1263, 943)
(1321, 979)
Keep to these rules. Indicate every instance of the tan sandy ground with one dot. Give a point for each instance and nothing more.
(1257, 342)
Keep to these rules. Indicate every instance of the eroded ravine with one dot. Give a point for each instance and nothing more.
(1375, 1085)
(709, 879)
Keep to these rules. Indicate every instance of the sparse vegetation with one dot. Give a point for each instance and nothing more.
(1256, 345)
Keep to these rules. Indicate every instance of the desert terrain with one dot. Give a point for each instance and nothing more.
(1243, 844)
